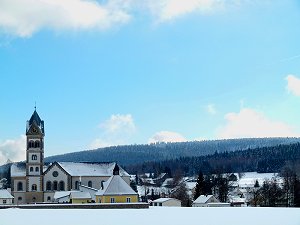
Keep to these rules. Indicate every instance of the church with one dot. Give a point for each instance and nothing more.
(34, 181)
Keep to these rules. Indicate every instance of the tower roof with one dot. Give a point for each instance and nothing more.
(35, 119)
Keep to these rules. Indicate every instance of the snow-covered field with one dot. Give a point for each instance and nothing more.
(154, 215)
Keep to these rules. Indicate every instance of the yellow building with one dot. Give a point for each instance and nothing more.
(116, 190)
(80, 197)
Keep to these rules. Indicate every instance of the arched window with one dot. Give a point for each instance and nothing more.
(36, 169)
(54, 185)
(76, 185)
(61, 186)
(31, 169)
(90, 183)
(34, 187)
(34, 157)
(34, 199)
(48, 186)
(48, 198)
(37, 144)
(19, 199)
(20, 186)
(31, 144)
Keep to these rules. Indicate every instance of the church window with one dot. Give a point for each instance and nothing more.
(34, 157)
(48, 186)
(20, 186)
(55, 174)
(34, 199)
(31, 169)
(36, 144)
(61, 186)
(76, 185)
(55, 185)
(36, 169)
(34, 187)
(90, 183)
(48, 198)
(31, 144)
(19, 199)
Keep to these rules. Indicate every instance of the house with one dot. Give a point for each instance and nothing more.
(80, 197)
(116, 190)
(169, 202)
(204, 200)
(34, 181)
(5, 197)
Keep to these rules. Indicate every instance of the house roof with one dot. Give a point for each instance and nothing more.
(115, 185)
(161, 200)
(91, 169)
(5, 194)
(80, 195)
(203, 199)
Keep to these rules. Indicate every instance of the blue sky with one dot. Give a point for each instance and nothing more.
(124, 71)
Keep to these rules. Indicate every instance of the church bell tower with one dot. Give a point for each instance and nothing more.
(34, 158)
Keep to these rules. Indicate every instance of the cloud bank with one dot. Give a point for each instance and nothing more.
(24, 17)
(251, 123)
(13, 149)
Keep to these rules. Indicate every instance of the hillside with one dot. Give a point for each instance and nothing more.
(134, 154)
(263, 160)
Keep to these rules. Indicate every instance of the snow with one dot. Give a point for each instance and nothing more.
(90, 169)
(203, 199)
(154, 215)
(248, 179)
(5, 194)
(115, 185)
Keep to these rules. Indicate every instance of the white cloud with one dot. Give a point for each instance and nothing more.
(166, 10)
(13, 149)
(211, 109)
(293, 84)
(118, 122)
(117, 130)
(251, 123)
(24, 17)
(166, 136)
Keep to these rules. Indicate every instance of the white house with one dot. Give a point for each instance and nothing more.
(5, 197)
(204, 200)
(170, 202)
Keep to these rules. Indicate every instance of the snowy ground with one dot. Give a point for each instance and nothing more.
(154, 215)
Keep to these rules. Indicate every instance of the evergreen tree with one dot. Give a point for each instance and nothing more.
(199, 190)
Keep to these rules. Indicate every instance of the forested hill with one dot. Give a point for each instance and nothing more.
(262, 160)
(134, 154)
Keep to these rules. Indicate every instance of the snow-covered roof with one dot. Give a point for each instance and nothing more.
(91, 169)
(19, 169)
(80, 195)
(5, 194)
(62, 194)
(115, 185)
(203, 199)
(161, 200)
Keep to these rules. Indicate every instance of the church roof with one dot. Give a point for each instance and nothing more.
(74, 169)
(90, 169)
(19, 169)
(115, 185)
